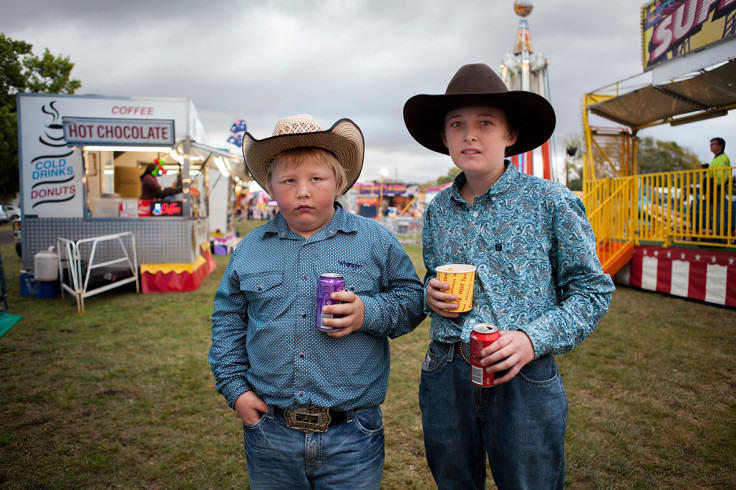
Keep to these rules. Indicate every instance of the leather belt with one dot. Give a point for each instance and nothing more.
(311, 419)
(462, 348)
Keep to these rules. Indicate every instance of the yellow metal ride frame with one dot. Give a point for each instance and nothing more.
(693, 208)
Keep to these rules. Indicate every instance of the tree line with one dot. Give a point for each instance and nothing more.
(23, 72)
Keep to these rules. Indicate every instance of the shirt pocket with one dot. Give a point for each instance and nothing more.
(265, 293)
(261, 283)
(361, 285)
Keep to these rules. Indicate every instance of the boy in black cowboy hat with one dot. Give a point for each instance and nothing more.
(310, 399)
(538, 279)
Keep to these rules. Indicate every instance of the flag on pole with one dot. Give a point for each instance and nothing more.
(238, 126)
(236, 139)
(236, 132)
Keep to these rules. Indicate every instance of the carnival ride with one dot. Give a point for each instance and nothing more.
(526, 69)
(672, 232)
(669, 208)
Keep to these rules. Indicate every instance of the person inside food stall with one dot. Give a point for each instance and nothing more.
(150, 188)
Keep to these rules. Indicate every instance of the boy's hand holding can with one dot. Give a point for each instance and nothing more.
(511, 352)
(351, 313)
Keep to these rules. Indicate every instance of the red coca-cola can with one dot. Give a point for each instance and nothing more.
(483, 335)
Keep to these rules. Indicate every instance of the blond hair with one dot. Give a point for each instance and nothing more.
(299, 155)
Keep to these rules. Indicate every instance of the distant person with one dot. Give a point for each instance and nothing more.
(150, 188)
(538, 280)
(719, 178)
(240, 204)
(720, 159)
(310, 399)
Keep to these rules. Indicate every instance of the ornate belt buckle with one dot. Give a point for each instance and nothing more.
(308, 419)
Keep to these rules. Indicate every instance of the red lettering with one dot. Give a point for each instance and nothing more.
(662, 38)
(170, 208)
(684, 18)
(703, 11)
(689, 16)
(53, 192)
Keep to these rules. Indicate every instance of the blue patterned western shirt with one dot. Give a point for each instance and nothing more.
(264, 336)
(534, 249)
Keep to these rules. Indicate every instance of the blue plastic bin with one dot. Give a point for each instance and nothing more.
(46, 290)
(27, 285)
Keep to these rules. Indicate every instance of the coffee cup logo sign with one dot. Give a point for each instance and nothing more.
(52, 165)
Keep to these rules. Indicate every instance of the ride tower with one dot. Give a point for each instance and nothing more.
(525, 69)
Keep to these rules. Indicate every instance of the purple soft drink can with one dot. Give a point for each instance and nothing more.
(326, 285)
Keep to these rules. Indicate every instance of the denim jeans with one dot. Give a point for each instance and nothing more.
(520, 425)
(349, 455)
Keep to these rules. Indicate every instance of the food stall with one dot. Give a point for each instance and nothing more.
(81, 158)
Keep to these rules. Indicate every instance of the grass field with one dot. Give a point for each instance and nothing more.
(122, 395)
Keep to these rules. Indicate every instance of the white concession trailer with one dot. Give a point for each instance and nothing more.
(81, 157)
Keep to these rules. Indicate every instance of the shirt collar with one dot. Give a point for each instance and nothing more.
(501, 186)
(340, 222)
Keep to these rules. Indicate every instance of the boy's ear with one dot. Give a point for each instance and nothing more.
(512, 137)
(444, 140)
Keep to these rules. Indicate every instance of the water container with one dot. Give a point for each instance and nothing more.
(46, 266)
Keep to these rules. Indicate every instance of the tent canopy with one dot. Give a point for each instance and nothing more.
(698, 96)
(234, 162)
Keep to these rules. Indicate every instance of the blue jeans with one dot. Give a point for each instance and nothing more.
(520, 425)
(349, 455)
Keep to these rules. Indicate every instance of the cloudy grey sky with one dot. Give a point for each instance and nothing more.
(362, 59)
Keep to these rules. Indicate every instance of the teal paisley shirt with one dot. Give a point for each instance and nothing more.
(534, 249)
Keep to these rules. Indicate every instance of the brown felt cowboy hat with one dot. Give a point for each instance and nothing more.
(344, 140)
(478, 85)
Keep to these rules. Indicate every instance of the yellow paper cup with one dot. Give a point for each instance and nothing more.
(461, 278)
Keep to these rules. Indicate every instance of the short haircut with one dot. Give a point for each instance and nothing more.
(720, 141)
(297, 156)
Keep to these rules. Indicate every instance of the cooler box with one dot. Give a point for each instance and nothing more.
(129, 208)
(46, 290)
(106, 207)
(27, 285)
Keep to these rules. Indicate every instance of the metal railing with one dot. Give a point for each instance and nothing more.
(408, 229)
(78, 260)
(695, 207)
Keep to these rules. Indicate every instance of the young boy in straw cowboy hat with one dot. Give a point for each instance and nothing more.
(538, 280)
(309, 399)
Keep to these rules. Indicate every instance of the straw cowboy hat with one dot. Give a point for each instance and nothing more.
(344, 140)
(478, 85)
